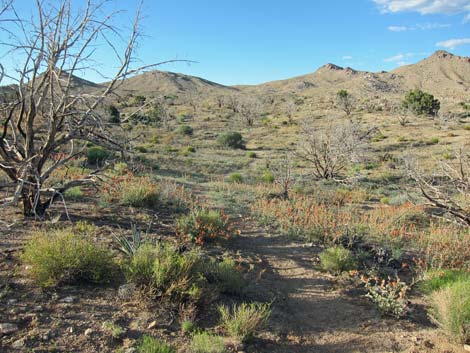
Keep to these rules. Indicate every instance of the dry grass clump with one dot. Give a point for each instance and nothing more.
(204, 342)
(244, 320)
(163, 270)
(67, 256)
(451, 310)
(145, 192)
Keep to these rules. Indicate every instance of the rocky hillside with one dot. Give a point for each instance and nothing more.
(443, 74)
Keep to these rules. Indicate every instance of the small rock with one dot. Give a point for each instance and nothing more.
(88, 331)
(67, 300)
(7, 328)
(130, 350)
(38, 308)
(70, 329)
(126, 291)
(428, 344)
(19, 343)
(152, 325)
(12, 301)
(466, 347)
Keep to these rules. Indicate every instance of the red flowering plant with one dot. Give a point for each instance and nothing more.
(390, 296)
(201, 225)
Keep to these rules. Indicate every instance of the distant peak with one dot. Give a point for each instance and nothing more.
(442, 54)
(333, 67)
(350, 70)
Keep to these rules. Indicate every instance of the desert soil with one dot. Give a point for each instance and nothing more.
(312, 311)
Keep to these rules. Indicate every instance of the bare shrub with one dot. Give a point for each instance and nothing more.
(284, 177)
(50, 114)
(250, 110)
(290, 108)
(448, 187)
(330, 150)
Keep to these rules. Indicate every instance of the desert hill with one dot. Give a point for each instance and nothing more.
(170, 83)
(443, 74)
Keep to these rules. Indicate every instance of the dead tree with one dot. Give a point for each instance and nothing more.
(448, 188)
(283, 175)
(250, 110)
(330, 150)
(52, 115)
(290, 108)
(193, 99)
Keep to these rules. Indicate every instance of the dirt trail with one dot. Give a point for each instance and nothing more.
(312, 313)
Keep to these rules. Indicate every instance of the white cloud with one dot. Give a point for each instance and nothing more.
(400, 58)
(425, 7)
(429, 26)
(347, 57)
(419, 26)
(395, 58)
(453, 43)
(398, 28)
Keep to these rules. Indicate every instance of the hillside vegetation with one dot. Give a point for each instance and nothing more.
(323, 213)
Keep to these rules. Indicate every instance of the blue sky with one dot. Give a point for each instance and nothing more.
(254, 41)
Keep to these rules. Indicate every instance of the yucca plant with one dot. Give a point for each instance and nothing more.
(129, 246)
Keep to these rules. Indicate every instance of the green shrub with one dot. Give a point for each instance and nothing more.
(379, 137)
(139, 192)
(141, 149)
(120, 168)
(336, 260)
(438, 279)
(74, 193)
(267, 177)
(185, 130)
(450, 309)
(150, 344)
(114, 114)
(206, 343)
(96, 155)
(160, 268)
(235, 178)
(432, 141)
(421, 103)
(202, 225)
(225, 275)
(244, 320)
(113, 329)
(188, 326)
(64, 256)
(251, 154)
(231, 140)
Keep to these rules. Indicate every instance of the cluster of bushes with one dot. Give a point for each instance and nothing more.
(439, 246)
(241, 323)
(145, 192)
(73, 255)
